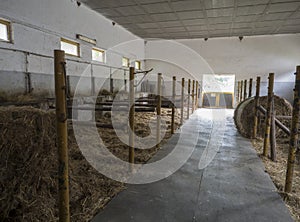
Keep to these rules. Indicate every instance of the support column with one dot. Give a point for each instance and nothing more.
(182, 101)
(131, 115)
(173, 105)
(158, 109)
(189, 99)
(256, 102)
(245, 89)
(62, 135)
(294, 135)
(250, 88)
(268, 115)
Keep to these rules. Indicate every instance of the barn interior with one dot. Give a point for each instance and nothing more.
(142, 110)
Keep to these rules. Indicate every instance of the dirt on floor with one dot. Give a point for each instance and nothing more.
(28, 166)
(277, 172)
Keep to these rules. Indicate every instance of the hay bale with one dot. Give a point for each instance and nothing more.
(244, 115)
(28, 170)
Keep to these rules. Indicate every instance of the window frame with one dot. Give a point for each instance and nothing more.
(139, 65)
(128, 62)
(99, 50)
(71, 42)
(8, 29)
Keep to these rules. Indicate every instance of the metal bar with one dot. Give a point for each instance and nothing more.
(62, 136)
(182, 101)
(131, 115)
(245, 89)
(173, 106)
(158, 109)
(250, 88)
(120, 109)
(268, 116)
(188, 102)
(294, 135)
(256, 102)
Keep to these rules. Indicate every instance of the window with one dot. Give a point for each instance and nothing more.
(70, 47)
(98, 55)
(125, 62)
(137, 65)
(5, 31)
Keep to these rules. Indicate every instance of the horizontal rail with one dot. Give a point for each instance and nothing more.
(285, 129)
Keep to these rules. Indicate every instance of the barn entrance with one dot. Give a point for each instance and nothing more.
(218, 91)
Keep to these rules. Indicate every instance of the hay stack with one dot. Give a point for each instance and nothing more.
(28, 170)
(244, 115)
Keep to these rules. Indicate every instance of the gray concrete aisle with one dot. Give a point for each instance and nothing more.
(233, 187)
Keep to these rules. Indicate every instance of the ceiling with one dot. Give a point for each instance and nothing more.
(188, 19)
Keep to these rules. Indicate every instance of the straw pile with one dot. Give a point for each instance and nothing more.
(28, 171)
(277, 172)
(28, 166)
(244, 116)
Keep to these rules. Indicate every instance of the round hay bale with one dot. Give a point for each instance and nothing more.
(244, 115)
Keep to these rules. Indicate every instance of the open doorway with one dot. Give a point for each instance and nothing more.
(218, 91)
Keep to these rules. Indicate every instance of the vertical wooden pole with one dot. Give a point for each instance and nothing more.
(158, 109)
(250, 88)
(62, 135)
(197, 94)
(173, 105)
(193, 96)
(256, 113)
(245, 89)
(268, 115)
(238, 92)
(241, 92)
(93, 85)
(131, 115)
(189, 99)
(273, 133)
(294, 135)
(182, 101)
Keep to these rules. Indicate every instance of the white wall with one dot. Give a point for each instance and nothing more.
(38, 26)
(253, 56)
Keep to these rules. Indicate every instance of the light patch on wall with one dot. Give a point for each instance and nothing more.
(218, 83)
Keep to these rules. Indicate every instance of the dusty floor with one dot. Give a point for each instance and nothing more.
(277, 171)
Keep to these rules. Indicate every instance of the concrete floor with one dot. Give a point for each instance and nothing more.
(233, 187)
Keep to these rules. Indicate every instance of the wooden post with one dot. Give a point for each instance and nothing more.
(173, 105)
(197, 94)
(182, 101)
(188, 102)
(238, 92)
(294, 135)
(241, 92)
(62, 135)
(273, 133)
(93, 85)
(245, 89)
(131, 115)
(256, 112)
(193, 96)
(158, 109)
(268, 115)
(250, 88)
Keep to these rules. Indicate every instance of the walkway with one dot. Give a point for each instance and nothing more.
(233, 187)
